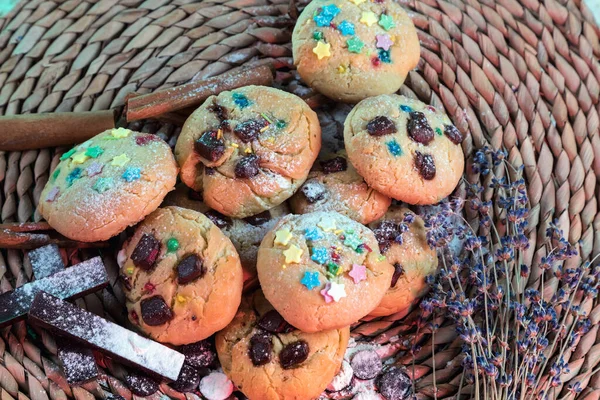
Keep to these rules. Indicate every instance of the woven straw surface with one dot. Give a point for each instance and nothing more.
(522, 74)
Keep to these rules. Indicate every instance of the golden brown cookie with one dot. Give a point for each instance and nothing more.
(351, 50)
(334, 185)
(269, 359)
(404, 148)
(403, 241)
(182, 277)
(248, 150)
(108, 183)
(322, 270)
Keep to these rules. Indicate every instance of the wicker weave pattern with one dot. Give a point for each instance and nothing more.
(522, 74)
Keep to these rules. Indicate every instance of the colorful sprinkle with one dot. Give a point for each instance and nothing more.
(358, 273)
(94, 169)
(120, 160)
(336, 291)
(322, 50)
(129, 270)
(280, 124)
(325, 293)
(283, 237)
(368, 18)
(439, 131)
(311, 280)
(103, 184)
(386, 22)
(240, 100)
(131, 174)
(145, 139)
(322, 20)
(120, 133)
(346, 28)
(384, 56)
(341, 69)
(333, 268)
(375, 61)
(405, 108)
(355, 45)
(357, 2)
(327, 224)
(73, 176)
(319, 255)
(181, 298)
(381, 258)
(172, 245)
(55, 174)
(384, 42)
(67, 154)
(330, 10)
(318, 35)
(352, 240)
(293, 254)
(52, 194)
(313, 234)
(94, 152)
(79, 158)
(394, 148)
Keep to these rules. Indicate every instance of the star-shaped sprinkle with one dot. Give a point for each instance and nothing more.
(327, 224)
(293, 254)
(319, 255)
(283, 237)
(322, 50)
(67, 154)
(103, 184)
(346, 28)
(311, 280)
(330, 10)
(322, 20)
(55, 174)
(131, 174)
(386, 22)
(120, 160)
(368, 18)
(438, 131)
(333, 268)
(406, 108)
(355, 45)
(394, 148)
(358, 273)
(381, 258)
(384, 56)
(52, 194)
(352, 240)
(240, 100)
(313, 234)
(73, 176)
(94, 152)
(79, 158)
(318, 35)
(336, 291)
(384, 41)
(325, 293)
(94, 169)
(120, 133)
(357, 2)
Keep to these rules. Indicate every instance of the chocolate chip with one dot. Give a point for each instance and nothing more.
(337, 164)
(398, 272)
(261, 348)
(394, 385)
(249, 130)
(380, 126)
(199, 354)
(209, 147)
(141, 385)
(126, 280)
(189, 269)
(425, 165)
(155, 311)
(188, 379)
(219, 111)
(220, 220)
(259, 219)
(146, 252)
(274, 322)
(313, 191)
(453, 134)
(247, 166)
(418, 128)
(366, 364)
(293, 354)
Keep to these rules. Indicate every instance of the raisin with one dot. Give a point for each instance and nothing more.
(418, 128)
(293, 354)
(337, 164)
(146, 252)
(189, 269)
(261, 348)
(155, 311)
(425, 165)
(273, 322)
(249, 130)
(398, 272)
(209, 146)
(247, 166)
(380, 126)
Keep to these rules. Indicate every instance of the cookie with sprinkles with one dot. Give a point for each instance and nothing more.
(248, 150)
(404, 148)
(267, 358)
(353, 49)
(108, 183)
(334, 185)
(181, 276)
(322, 270)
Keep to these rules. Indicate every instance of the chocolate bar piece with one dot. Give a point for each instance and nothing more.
(46, 261)
(77, 281)
(78, 362)
(65, 319)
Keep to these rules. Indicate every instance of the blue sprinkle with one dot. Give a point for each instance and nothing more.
(384, 56)
(331, 10)
(394, 148)
(131, 174)
(406, 108)
(313, 234)
(311, 280)
(346, 28)
(240, 100)
(320, 255)
(322, 20)
(73, 176)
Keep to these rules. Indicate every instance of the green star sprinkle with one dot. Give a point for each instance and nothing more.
(386, 22)
(352, 240)
(438, 131)
(172, 245)
(94, 151)
(318, 35)
(67, 154)
(103, 184)
(333, 268)
(355, 45)
(280, 124)
(55, 174)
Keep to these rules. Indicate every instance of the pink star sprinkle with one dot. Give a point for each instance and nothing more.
(384, 42)
(94, 169)
(358, 273)
(325, 293)
(52, 194)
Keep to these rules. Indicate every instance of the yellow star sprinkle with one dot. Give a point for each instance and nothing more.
(338, 231)
(322, 50)
(327, 224)
(120, 161)
(368, 18)
(120, 133)
(181, 299)
(292, 254)
(283, 237)
(79, 158)
(248, 150)
(357, 2)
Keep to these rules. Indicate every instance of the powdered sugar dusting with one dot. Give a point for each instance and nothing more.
(46, 261)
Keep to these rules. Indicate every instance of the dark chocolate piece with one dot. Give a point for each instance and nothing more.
(380, 126)
(425, 165)
(366, 364)
(146, 252)
(78, 362)
(219, 111)
(220, 220)
(273, 322)
(83, 327)
(188, 380)
(247, 166)
(200, 354)
(313, 191)
(261, 347)
(209, 146)
(76, 281)
(249, 130)
(141, 385)
(395, 385)
(419, 129)
(398, 272)
(337, 164)
(259, 219)
(189, 269)
(46, 261)
(155, 311)
(293, 354)
(453, 134)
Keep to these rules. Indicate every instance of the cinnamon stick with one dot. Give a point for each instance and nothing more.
(35, 131)
(192, 94)
(32, 235)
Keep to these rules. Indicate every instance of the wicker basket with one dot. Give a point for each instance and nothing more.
(516, 73)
